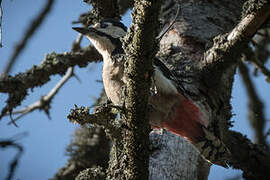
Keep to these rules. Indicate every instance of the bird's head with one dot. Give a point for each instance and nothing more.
(105, 35)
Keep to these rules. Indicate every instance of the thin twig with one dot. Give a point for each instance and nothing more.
(76, 45)
(259, 64)
(43, 103)
(17, 86)
(267, 133)
(29, 33)
(159, 37)
(225, 50)
(262, 69)
(51, 65)
(261, 34)
(256, 107)
(255, 43)
(14, 163)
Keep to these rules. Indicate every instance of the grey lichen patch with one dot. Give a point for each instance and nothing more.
(89, 18)
(100, 10)
(18, 85)
(14, 99)
(106, 9)
(52, 64)
(103, 117)
(91, 174)
(78, 114)
(252, 6)
(223, 53)
(140, 48)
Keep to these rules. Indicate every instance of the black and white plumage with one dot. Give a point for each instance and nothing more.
(169, 107)
(105, 36)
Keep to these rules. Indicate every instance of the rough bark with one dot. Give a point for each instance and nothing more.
(183, 48)
(139, 44)
(17, 86)
(173, 158)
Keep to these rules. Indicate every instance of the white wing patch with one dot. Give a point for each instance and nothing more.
(163, 84)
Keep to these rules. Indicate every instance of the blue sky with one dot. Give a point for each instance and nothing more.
(44, 147)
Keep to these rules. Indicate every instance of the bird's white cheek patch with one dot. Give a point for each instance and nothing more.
(102, 44)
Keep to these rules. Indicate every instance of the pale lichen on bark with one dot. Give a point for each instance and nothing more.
(139, 46)
(17, 86)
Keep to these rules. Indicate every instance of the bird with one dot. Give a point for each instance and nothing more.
(169, 106)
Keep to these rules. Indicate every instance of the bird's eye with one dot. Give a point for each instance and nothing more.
(103, 25)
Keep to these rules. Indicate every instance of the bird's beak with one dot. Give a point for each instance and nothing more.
(83, 30)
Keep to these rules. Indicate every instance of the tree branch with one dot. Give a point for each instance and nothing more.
(44, 102)
(260, 66)
(14, 163)
(260, 56)
(29, 32)
(17, 86)
(256, 107)
(95, 173)
(212, 89)
(226, 48)
(252, 159)
(106, 8)
(140, 47)
(101, 9)
(102, 117)
(52, 64)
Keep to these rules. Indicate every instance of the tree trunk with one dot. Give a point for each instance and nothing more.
(183, 48)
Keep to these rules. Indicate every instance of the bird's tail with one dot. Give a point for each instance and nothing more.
(213, 149)
(188, 121)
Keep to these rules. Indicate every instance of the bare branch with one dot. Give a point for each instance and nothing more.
(159, 37)
(17, 86)
(76, 45)
(252, 159)
(14, 162)
(94, 173)
(140, 47)
(260, 55)
(29, 32)
(44, 102)
(260, 66)
(267, 133)
(256, 107)
(226, 48)
(102, 117)
(52, 64)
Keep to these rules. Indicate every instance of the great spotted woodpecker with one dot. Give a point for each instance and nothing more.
(169, 108)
